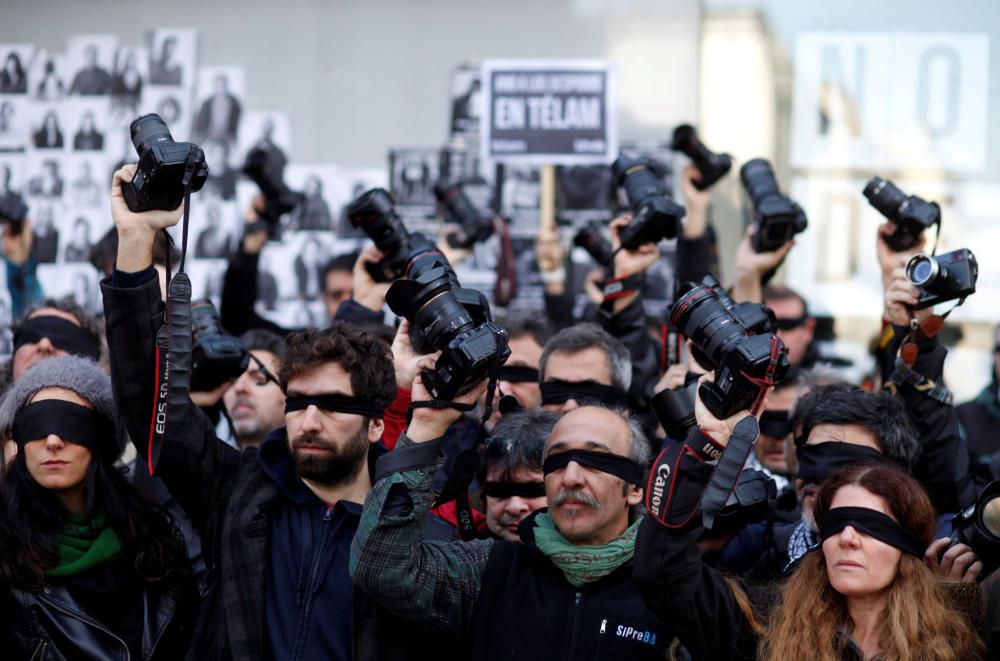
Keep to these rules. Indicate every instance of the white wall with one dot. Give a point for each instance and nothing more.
(359, 77)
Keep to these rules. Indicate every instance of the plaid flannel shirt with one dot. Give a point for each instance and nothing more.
(435, 583)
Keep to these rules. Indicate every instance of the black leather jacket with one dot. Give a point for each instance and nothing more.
(51, 626)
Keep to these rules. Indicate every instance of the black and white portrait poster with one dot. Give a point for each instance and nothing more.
(466, 104)
(86, 180)
(215, 227)
(317, 183)
(86, 123)
(129, 75)
(91, 62)
(413, 173)
(218, 105)
(270, 131)
(173, 57)
(519, 189)
(46, 176)
(15, 66)
(15, 132)
(48, 127)
(77, 280)
(50, 76)
(12, 171)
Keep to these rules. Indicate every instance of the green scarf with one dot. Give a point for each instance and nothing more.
(85, 542)
(583, 564)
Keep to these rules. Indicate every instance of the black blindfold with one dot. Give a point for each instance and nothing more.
(335, 403)
(612, 464)
(873, 523)
(557, 391)
(820, 461)
(63, 334)
(70, 422)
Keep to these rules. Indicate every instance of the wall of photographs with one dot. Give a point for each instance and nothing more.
(64, 121)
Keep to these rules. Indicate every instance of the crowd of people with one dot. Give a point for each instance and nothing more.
(314, 506)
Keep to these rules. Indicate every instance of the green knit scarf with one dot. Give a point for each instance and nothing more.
(85, 542)
(583, 564)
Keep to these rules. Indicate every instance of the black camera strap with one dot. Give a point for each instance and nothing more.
(172, 385)
(726, 475)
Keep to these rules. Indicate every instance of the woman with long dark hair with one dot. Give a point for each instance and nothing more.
(87, 567)
(865, 593)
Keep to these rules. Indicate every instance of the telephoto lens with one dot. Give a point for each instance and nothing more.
(592, 240)
(163, 165)
(910, 215)
(776, 217)
(943, 278)
(215, 357)
(654, 216)
(712, 166)
(745, 365)
(459, 209)
(979, 527)
(374, 212)
(447, 318)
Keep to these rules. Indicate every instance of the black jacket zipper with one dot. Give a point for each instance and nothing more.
(85, 620)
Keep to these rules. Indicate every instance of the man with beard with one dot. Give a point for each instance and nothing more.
(276, 521)
(255, 403)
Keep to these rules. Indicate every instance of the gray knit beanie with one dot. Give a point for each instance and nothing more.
(81, 375)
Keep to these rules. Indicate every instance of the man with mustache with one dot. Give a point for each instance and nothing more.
(276, 522)
(256, 404)
(563, 591)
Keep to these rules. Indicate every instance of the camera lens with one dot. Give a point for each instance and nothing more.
(148, 129)
(375, 214)
(636, 177)
(922, 270)
(991, 516)
(702, 316)
(885, 197)
(758, 180)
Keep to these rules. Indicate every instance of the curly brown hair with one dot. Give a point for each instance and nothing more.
(364, 356)
(917, 623)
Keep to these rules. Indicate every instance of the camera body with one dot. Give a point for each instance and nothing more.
(654, 216)
(158, 182)
(446, 317)
(279, 199)
(374, 212)
(712, 166)
(776, 217)
(723, 334)
(592, 240)
(13, 210)
(943, 278)
(910, 214)
(215, 356)
(750, 502)
(459, 209)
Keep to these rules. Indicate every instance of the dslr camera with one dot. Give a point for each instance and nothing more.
(13, 210)
(459, 209)
(269, 176)
(159, 178)
(446, 317)
(674, 408)
(712, 166)
(215, 356)
(591, 239)
(911, 215)
(777, 218)
(979, 527)
(750, 502)
(374, 212)
(735, 340)
(943, 278)
(655, 216)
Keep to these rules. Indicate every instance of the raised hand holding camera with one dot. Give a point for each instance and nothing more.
(166, 171)
(776, 217)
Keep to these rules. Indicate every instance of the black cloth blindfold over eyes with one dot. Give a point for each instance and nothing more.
(776, 424)
(70, 422)
(819, 461)
(63, 334)
(335, 403)
(873, 523)
(506, 490)
(605, 462)
(518, 374)
(557, 391)
(790, 323)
